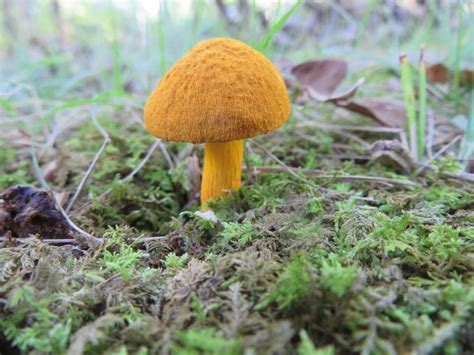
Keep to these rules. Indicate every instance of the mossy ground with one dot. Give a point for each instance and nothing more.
(293, 264)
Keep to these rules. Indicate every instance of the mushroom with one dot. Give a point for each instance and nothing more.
(219, 93)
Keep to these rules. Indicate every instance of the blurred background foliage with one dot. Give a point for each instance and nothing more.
(117, 45)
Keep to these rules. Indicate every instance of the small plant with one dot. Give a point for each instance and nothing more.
(174, 261)
(240, 233)
(126, 260)
(32, 325)
(444, 242)
(314, 206)
(336, 278)
(306, 346)
(205, 341)
(292, 284)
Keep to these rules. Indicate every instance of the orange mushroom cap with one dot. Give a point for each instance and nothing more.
(221, 90)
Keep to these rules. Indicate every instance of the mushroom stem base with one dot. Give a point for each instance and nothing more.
(222, 169)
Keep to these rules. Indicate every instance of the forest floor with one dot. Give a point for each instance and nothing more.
(336, 242)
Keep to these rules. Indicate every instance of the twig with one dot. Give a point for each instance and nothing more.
(94, 161)
(438, 153)
(313, 140)
(460, 176)
(286, 167)
(321, 124)
(157, 143)
(140, 165)
(431, 133)
(161, 145)
(346, 178)
(93, 241)
(166, 155)
(73, 241)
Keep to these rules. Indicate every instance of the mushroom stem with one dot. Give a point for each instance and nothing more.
(222, 169)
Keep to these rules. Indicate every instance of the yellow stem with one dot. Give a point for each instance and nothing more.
(222, 169)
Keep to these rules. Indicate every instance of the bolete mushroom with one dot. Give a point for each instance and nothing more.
(218, 93)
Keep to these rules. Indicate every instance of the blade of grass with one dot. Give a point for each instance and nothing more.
(421, 128)
(467, 149)
(277, 26)
(364, 21)
(409, 98)
(161, 36)
(455, 90)
(116, 51)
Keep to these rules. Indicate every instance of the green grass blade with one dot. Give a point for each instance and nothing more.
(364, 21)
(455, 90)
(277, 26)
(468, 144)
(116, 52)
(421, 128)
(161, 36)
(409, 98)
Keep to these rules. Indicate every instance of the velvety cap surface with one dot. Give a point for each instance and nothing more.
(221, 90)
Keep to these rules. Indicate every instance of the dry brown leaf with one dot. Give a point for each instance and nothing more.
(321, 77)
(346, 94)
(61, 197)
(440, 74)
(393, 154)
(49, 171)
(387, 111)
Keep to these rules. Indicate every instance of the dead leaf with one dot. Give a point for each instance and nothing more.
(440, 74)
(321, 77)
(49, 170)
(61, 197)
(343, 95)
(393, 154)
(437, 73)
(387, 111)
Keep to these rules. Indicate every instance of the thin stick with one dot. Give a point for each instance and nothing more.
(313, 140)
(93, 241)
(286, 167)
(94, 161)
(431, 133)
(292, 172)
(323, 125)
(155, 145)
(346, 178)
(161, 145)
(461, 176)
(165, 153)
(438, 153)
(73, 241)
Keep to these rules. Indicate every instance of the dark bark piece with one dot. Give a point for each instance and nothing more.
(25, 211)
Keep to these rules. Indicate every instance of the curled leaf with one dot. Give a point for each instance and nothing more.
(387, 111)
(441, 74)
(321, 77)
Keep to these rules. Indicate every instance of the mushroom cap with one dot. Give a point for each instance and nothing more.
(221, 90)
